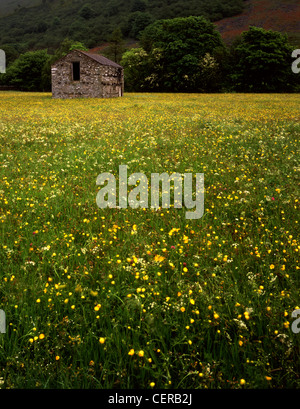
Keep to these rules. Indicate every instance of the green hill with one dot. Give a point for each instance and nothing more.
(48, 23)
(9, 6)
(39, 24)
(277, 15)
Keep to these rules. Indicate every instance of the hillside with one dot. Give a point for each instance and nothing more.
(277, 15)
(48, 23)
(38, 24)
(9, 6)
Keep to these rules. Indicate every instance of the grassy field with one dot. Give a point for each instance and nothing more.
(144, 298)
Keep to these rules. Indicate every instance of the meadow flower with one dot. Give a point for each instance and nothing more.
(131, 352)
(246, 315)
(159, 258)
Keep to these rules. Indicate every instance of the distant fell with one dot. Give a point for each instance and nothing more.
(277, 15)
(44, 24)
(9, 6)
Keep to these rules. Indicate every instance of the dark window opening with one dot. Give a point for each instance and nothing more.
(76, 71)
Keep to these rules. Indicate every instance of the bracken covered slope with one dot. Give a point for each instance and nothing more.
(278, 15)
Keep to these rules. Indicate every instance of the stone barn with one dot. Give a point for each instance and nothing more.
(86, 75)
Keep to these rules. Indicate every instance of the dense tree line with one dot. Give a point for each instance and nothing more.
(188, 55)
(184, 54)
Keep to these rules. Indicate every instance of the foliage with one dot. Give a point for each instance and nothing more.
(179, 55)
(136, 69)
(66, 46)
(183, 55)
(136, 24)
(32, 70)
(48, 23)
(86, 12)
(262, 62)
(188, 55)
(27, 72)
(116, 46)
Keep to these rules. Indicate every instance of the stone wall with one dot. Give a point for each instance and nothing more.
(96, 80)
(111, 81)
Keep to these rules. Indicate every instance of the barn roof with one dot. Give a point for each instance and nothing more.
(96, 57)
(100, 59)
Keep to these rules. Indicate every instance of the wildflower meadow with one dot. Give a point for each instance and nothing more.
(144, 298)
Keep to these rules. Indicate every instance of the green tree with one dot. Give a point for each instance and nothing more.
(135, 63)
(26, 71)
(66, 46)
(262, 62)
(86, 12)
(143, 71)
(183, 43)
(138, 5)
(11, 53)
(116, 47)
(137, 23)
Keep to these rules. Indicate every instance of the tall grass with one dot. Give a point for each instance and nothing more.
(143, 298)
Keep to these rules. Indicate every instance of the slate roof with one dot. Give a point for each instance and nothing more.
(96, 57)
(100, 59)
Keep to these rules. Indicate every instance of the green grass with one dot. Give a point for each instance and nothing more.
(208, 301)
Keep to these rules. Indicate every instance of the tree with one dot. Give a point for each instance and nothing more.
(116, 47)
(66, 46)
(26, 71)
(138, 5)
(183, 43)
(86, 12)
(137, 23)
(262, 62)
(135, 63)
